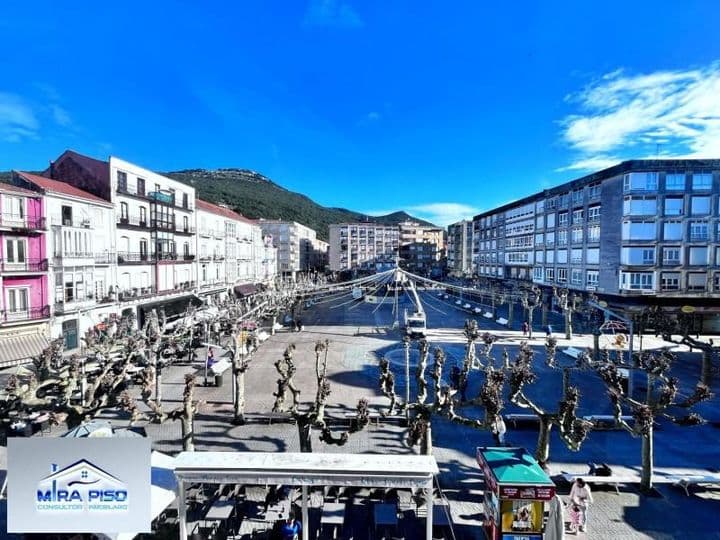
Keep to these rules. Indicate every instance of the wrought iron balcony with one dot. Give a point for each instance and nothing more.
(125, 257)
(28, 223)
(28, 265)
(25, 314)
(58, 221)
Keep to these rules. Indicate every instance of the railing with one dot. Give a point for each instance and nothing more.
(59, 221)
(218, 257)
(16, 221)
(104, 258)
(130, 258)
(220, 234)
(185, 230)
(25, 315)
(133, 221)
(162, 225)
(205, 258)
(205, 232)
(74, 304)
(135, 292)
(164, 198)
(699, 237)
(28, 265)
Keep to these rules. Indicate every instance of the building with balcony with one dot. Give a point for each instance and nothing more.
(213, 244)
(25, 299)
(460, 248)
(296, 245)
(639, 233)
(81, 256)
(363, 246)
(155, 229)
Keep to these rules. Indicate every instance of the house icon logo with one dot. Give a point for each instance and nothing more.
(82, 486)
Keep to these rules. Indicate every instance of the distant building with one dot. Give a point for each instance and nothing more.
(422, 247)
(459, 248)
(363, 246)
(299, 250)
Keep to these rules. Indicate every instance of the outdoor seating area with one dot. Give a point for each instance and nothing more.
(18, 424)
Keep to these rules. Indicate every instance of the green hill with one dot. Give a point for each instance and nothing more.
(255, 196)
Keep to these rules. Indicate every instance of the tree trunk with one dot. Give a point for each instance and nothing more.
(530, 321)
(596, 347)
(305, 433)
(706, 373)
(544, 315)
(239, 402)
(187, 434)
(511, 313)
(494, 310)
(646, 482)
(565, 380)
(427, 446)
(568, 324)
(158, 386)
(542, 452)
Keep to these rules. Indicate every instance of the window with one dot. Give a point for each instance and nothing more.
(672, 230)
(671, 256)
(15, 250)
(141, 186)
(578, 216)
(66, 213)
(550, 238)
(638, 256)
(550, 256)
(675, 181)
(593, 191)
(143, 250)
(550, 221)
(638, 230)
(539, 207)
(674, 206)
(698, 256)
(562, 275)
(577, 236)
(577, 196)
(593, 233)
(186, 249)
(540, 256)
(552, 203)
(562, 238)
(696, 282)
(186, 225)
(122, 181)
(185, 200)
(562, 219)
(670, 281)
(593, 256)
(564, 200)
(702, 181)
(549, 274)
(647, 181)
(16, 300)
(576, 256)
(539, 239)
(143, 216)
(538, 273)
(539, 222)
(640, 206)
(700, 206)
(592, 278)
(562, 256)
(576, 277)
(698, 231)
(631, 281)
(594, 213)
(717, 256)
(124, 212)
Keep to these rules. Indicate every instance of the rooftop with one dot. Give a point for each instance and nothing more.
(54, 186)
(220, 210)
(514, 466)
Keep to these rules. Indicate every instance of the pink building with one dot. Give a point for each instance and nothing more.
(24, 305)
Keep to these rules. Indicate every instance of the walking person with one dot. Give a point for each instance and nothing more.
(525, 328)
(548, 331)
(498, 430)
(291, 529)
(581, 496)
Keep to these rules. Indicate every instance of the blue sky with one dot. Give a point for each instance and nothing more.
(440, 108)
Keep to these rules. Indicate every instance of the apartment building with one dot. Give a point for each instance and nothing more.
(265, 257)
(155, 229)
(643, 231)
(25, 300)
(213, 245)
(367, 246)
(81, 254)
(460, 248)
(421, 247)
(296, 245)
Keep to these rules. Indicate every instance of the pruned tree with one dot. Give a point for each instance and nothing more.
(241, 349)
(186, 413)
(661, 401)
(127, 403)
(568, 302)
(572, 430)
(314, 416)
(679, 328)
(531, 300)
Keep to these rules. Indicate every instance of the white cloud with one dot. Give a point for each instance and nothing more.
(60, 115)
(442, 214)
(334, 13)
(17, 119)
(373, 116)
(623, 116)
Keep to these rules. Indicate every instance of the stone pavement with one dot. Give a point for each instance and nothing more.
(359, 334)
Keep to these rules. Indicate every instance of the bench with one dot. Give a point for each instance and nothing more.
(606, 421)
(527, 420)
(376, 417)
(270, 416)
(488, 315)
(685, 481)
(573, 352)
(615, 479)
(502, 320)
(478, 311)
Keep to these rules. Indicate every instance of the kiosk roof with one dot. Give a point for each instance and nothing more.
(514, 466)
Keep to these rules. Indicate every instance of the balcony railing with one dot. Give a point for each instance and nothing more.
(699, 237)
(25, 314)
(185, 230)
(58, 221)
(218, 257)
(104, 258)
(135, 293)
(15, 221)
(28, 265)
(157, 196)
(133, 221)
(74, 304)
(132, 258)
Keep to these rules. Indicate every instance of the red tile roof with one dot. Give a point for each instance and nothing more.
(97, 168)
(220, 210)
(54, 186)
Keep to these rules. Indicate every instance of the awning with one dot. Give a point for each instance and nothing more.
(247, 289)
(16, 350)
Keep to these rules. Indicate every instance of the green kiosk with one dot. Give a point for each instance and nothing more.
(517, 494)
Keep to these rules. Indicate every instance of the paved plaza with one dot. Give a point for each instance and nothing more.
(359, 334)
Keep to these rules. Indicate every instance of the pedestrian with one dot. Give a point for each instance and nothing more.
(499, 429)
(525, 328)
(210, 358)
(548, 331)
(581, 496)
(291, 529)
(300, 325)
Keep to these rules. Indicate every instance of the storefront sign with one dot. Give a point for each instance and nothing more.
(490, 482)
(537, 493)
(521, 537)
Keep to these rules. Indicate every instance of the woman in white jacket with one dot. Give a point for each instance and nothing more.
(581, 496)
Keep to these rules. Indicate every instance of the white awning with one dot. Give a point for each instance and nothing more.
(19, 349)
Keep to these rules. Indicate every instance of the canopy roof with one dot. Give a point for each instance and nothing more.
(309, 469)
(514, 466)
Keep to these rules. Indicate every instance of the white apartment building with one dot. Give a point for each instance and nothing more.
(296, 245)
(212, 247)
(363, 245)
